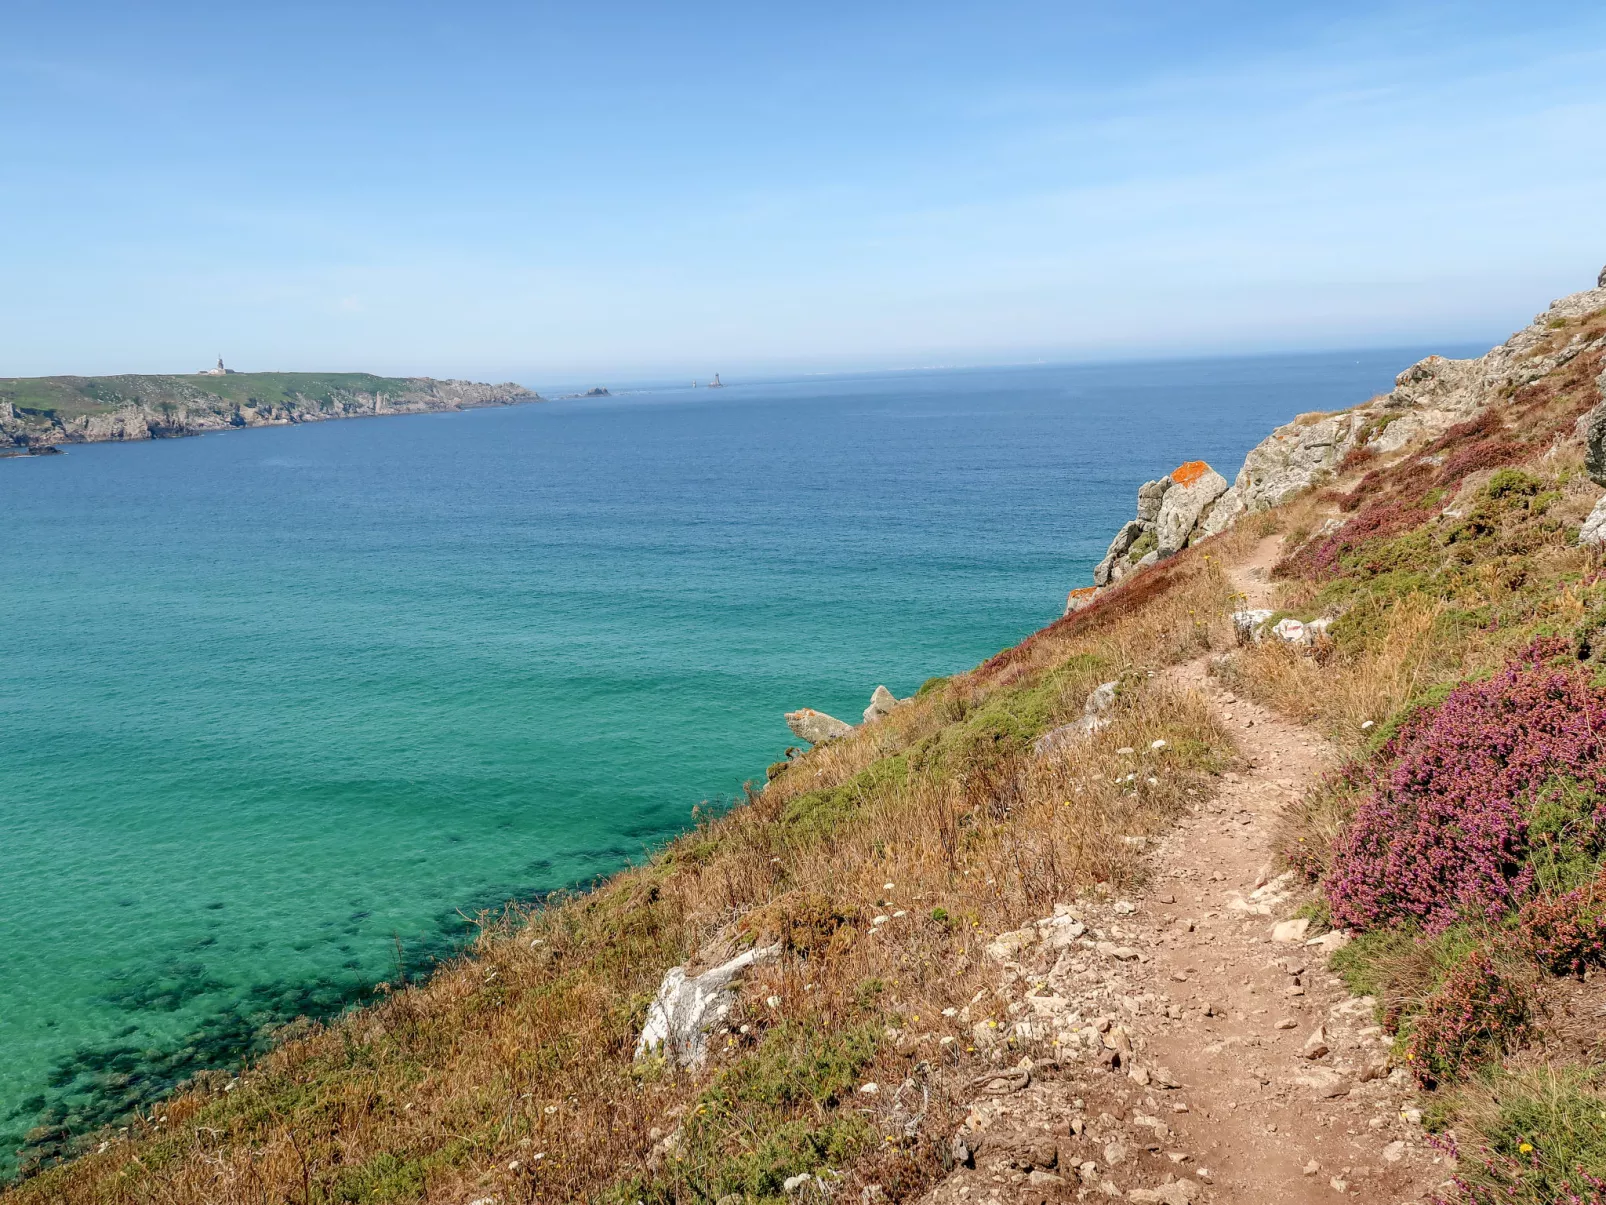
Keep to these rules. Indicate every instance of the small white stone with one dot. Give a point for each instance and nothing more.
(1125, 751)
(869, 1089)
(1157, 745)
(1290, 930)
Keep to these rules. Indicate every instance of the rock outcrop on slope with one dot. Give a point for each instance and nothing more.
(1170, 513)
(816, 727)
(1428, 398)
(688, 1007)
(38, 412)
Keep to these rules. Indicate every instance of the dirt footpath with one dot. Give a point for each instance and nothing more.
(1199, 1048)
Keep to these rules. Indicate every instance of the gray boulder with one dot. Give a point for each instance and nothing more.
(1292, 458)
(881, 703)
(1592, 429)
(688, 1007)
(1098, 701)
(1194, 486)
(1150, 495)
(1594, 529)
(815, 726)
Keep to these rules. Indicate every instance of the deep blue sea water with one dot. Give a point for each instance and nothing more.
(278, 707)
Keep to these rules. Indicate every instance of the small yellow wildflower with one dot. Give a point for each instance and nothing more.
(1525, 1147)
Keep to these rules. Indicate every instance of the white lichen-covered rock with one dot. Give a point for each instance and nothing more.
(688, 1007)
(1594, 528)
(882, 701)
(815, 726)
(1246, 625)
(1290, 631)
(1194, 486)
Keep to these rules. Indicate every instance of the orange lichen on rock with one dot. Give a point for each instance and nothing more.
(1186, 474)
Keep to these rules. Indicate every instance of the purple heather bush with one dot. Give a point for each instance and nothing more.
(1566, 934)
(1475, 1014)
(1443, 835)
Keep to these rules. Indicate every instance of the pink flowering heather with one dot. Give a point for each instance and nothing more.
(1475, 1014)
(1443, 834)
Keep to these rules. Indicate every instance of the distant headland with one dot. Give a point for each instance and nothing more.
(37, 413)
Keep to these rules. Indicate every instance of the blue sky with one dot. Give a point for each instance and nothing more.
(610, 190)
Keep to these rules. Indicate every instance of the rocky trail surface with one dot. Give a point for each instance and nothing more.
(1191, 1043)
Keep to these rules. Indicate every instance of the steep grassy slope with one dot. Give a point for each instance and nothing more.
(510, 1074)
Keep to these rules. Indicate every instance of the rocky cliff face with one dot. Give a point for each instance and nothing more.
(1427, 399)
(139, 407)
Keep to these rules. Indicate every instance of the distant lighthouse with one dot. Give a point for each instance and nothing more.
(714, 384)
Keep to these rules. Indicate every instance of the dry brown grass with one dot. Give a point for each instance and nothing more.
(510, 1073)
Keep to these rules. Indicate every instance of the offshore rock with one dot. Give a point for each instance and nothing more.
(1194, 486)
(687, 1008)
(815, 726)
(881, 703)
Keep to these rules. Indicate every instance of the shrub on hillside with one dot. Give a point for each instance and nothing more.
(1444, 832)
(1476, 1014)
(1566, 934)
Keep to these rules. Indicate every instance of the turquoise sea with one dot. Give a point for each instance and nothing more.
(279, 709)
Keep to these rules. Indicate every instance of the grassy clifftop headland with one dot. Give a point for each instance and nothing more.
(38, 412)
(1439, 561)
